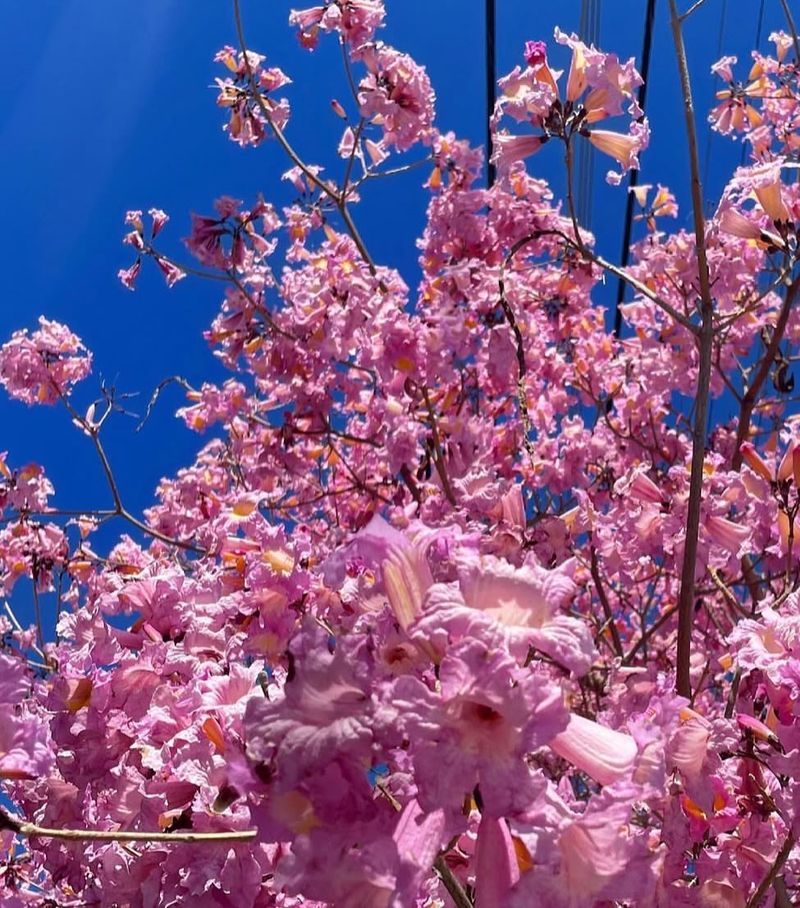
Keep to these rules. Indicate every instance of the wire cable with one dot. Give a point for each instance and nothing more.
(491, 86)
(633, 179)
(759, 26)
(584, 153)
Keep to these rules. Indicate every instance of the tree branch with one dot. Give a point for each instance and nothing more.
(337, 198)
(776, 868)
(750, 398)
(606, 605)
(792, 29)
(31, 830)
(705, 339)
(451, 884)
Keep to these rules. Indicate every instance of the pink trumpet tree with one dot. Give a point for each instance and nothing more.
(490, 615)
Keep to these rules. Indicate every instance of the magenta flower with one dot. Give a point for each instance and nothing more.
(328, 710)
(523, 605)
(485, 717)
(43, 366)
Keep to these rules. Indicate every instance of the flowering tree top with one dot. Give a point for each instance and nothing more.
(466, 600)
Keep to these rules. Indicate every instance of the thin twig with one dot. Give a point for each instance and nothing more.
(19, 629)
(696, 5)
(606, 605)
(172, 379)
(637, 285)
(451, 884)
(792, 29)
(522, 369)
(648, 633)
(571, 197)
(754, 388)
(334, 196)
(37, 611)
(31, 830)
(93, 432)
(438, 459)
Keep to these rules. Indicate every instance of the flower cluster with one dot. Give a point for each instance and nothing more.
(41, 367)
(598, 86)
(355, 20)
(764, 107)
(246, 95)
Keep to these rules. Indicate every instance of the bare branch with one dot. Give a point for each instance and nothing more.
(522, 368)
(754, 388)
(451, 884)
(705, 339)
(172, 379)
(31, 830)
(776, 868)
(606, 605)
(696, 5)
(438, 460)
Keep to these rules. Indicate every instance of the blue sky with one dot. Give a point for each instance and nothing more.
(111, 107)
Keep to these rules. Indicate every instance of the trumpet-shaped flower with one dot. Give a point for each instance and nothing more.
(485, 716)
(601, 752)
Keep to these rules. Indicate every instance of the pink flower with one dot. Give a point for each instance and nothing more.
(205, 241)
(128, 275)
(485, 717)
(508, 148)
(602, 852)
(535, 53)
(160, 218)
(407, 578)
(355, 20)
(41, 367)
(172, 273)
(756, 463)
(601, 752)
(328, 710)
(731, 536)
(524, 603)
(396, 95)
(620, 146)
(496, 867)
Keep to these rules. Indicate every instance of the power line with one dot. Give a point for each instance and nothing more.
(590, 34)
(759, 26)
(491, 83)
(633, 179)
(720, 37)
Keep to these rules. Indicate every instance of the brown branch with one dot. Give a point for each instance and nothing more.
(750, 398)
(19, 629)
(792, 29)
(37, 610)
(519, 343)
(451, 884)
(637, 285)
(777, 866)
(338, 198)
(748, 405)
(571, 196)
(648, 633)
(705, 338)
(31, 830)
(696, 5)
(438, 458)
(606, 605)
(93, 431)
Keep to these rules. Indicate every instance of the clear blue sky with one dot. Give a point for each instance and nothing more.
(109, 106)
